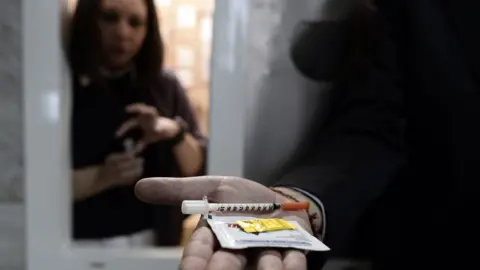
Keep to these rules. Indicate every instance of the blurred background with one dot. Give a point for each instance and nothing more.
(186, 27)
(11, 144)
(282, 103)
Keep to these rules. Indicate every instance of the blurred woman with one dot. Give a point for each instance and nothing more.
(131, 119)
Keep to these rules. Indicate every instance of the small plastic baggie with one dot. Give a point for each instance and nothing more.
(240, 232)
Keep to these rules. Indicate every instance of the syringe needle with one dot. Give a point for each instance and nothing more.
(191, 207)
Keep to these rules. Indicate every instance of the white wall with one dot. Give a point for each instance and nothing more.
(11, 147)
(281, 102)
(10, 104)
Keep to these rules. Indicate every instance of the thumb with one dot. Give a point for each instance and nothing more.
(169, 190)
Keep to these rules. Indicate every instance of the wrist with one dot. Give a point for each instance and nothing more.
(284, 195)
(176, 130)
(180, 131)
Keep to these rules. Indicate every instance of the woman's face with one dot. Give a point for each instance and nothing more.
(123, 27)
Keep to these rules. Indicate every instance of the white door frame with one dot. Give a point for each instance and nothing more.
(46, 108)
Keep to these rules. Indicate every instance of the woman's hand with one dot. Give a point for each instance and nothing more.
(121, 169)
(154, 126)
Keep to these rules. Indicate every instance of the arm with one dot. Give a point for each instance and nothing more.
(86, 167)
(86, 183)
(190, 153)
(362, 147)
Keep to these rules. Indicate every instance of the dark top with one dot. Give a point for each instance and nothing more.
(98, 111)
(397, 167)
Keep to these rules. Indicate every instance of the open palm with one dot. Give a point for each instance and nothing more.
(202, 251)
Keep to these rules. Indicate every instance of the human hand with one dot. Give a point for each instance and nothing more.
(154, 126)
(121, 169)
(203, 251)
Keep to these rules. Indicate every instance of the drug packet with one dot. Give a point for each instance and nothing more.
(265, 225)
(232, 236)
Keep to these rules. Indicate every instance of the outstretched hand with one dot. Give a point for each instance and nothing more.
(203, 251)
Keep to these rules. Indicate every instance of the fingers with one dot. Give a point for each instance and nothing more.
(199, 249)
(294, 260)
(131, 164)
(140, 108)
(139, 147)
(123, 160)
(116, 158)
(227, 259)
(127, 126)
(132, 169)
(270, 259)
(125, 165)
(174, 190)
(274, 259)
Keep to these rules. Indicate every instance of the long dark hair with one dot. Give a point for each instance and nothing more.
(84, 48)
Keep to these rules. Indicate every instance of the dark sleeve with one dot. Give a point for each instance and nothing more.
(362, 147)
(183, 108)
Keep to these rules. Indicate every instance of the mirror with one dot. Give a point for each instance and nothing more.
(234, 62)
(140, 108)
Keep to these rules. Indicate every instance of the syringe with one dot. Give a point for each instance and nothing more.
(192, 207)
(128, 145)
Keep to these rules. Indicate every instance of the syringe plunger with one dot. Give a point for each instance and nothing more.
(191, 207)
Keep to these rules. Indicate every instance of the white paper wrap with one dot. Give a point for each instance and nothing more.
(232, 237)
